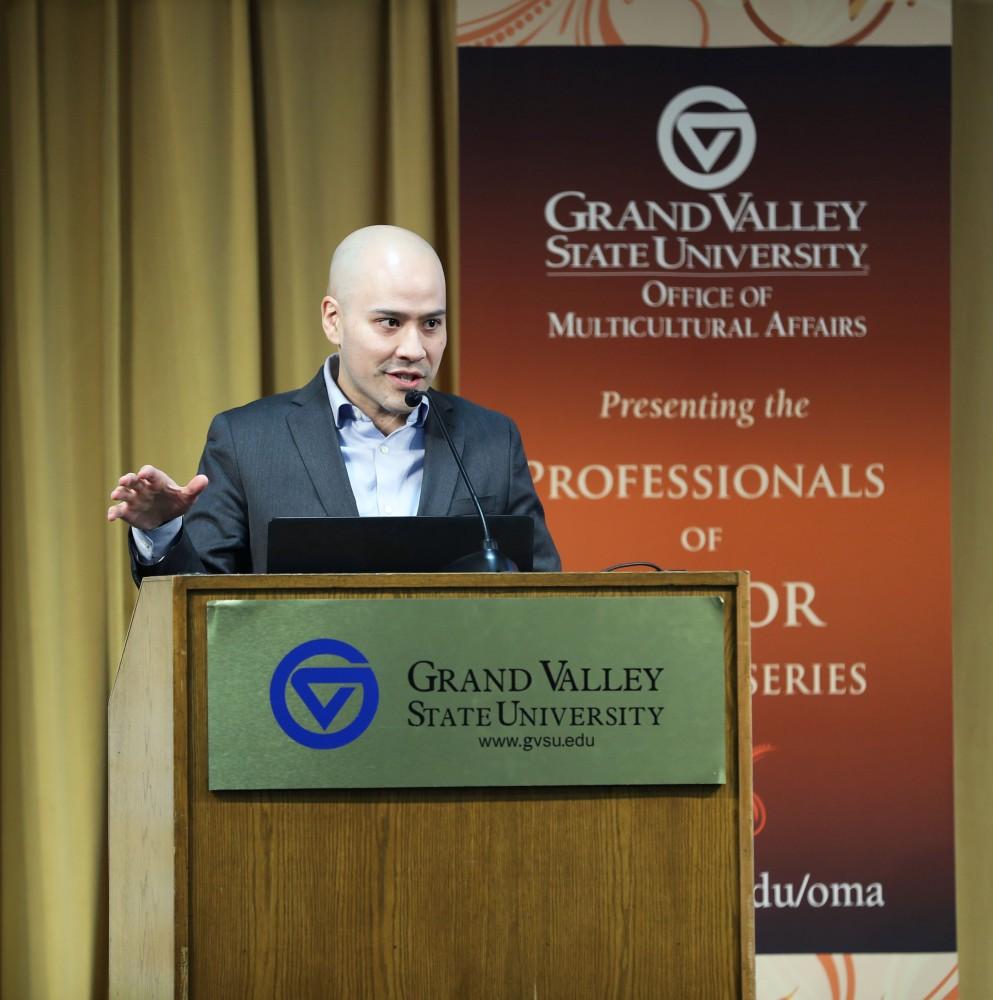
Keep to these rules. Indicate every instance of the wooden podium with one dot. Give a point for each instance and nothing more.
(575, 892)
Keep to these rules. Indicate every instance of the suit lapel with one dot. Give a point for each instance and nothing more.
(441, 474)
(314, 434)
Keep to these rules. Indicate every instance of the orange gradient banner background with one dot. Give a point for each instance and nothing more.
(851, 645)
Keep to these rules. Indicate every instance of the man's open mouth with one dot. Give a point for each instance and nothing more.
(406, 379)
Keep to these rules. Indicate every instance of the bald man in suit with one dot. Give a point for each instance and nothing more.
(347, 443)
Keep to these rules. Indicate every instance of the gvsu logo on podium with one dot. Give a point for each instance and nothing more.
(322, 695)
(716, 137)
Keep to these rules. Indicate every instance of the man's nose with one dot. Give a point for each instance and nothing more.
(410, 347)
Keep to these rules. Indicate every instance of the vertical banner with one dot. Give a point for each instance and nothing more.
(704, 264)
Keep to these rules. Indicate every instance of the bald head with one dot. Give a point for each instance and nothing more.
(373, 250)
(385, 312)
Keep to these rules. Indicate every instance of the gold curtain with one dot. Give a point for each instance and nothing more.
(173, 175)
(972, 486)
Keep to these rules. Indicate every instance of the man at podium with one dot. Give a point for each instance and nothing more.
(346, 444)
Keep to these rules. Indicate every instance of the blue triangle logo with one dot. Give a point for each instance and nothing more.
(303, 680)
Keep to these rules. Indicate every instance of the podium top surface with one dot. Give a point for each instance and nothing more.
(455, 581)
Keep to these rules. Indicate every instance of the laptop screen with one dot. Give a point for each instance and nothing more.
(391, 544)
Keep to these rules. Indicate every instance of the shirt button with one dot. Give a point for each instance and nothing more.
(384, 448)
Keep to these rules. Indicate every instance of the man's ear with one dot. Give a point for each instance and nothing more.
(331, 319)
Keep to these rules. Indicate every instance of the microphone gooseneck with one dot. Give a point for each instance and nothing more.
(490, 559)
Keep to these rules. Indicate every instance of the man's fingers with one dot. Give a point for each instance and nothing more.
(118, 511)
(130, 495)
(155, 479)
(145, 488)
(147, 481)
(196, 486)
(146, 476)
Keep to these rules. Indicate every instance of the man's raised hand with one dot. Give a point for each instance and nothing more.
(149, 498)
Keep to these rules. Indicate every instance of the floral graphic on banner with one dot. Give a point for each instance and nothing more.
(698, 23)
(857, 977)
(759, 815)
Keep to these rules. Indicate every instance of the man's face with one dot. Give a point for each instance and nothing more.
(388, 323)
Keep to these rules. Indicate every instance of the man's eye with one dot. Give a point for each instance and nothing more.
(391, 321)
(432, 324)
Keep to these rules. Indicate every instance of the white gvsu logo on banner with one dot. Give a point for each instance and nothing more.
(706, 134)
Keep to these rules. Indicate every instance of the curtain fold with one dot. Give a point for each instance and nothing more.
(55, 641)
(972, 486)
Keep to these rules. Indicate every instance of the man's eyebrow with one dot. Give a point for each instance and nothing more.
(396, 314)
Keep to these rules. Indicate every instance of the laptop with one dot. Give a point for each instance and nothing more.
(391, 544)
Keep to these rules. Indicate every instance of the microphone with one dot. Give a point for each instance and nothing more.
(490, 559)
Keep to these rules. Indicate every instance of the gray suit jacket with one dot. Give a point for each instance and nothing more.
(279, 457)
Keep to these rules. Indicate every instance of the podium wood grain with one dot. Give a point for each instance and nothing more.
(454, 893)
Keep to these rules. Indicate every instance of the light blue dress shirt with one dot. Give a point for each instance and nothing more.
(385, 471)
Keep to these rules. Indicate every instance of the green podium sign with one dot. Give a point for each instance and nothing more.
(358, 693)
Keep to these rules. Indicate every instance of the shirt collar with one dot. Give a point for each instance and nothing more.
(344, 410)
